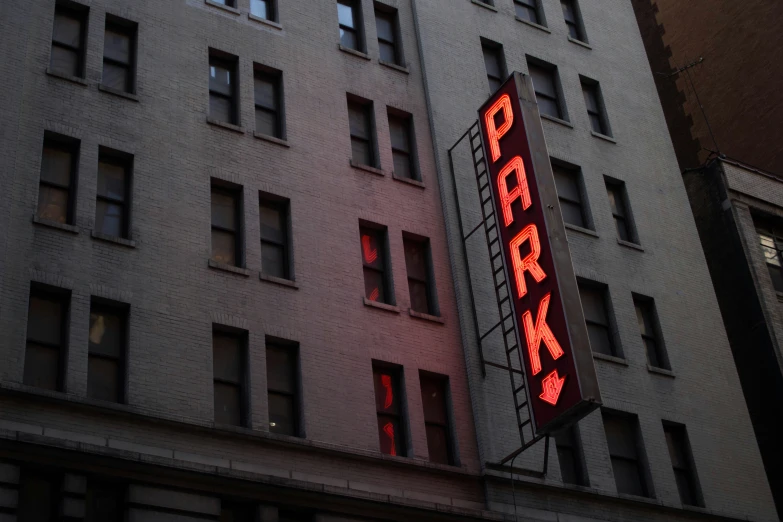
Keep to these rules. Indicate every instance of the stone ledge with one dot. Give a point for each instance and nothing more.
(67, 77)
(553, 119)
(278, 280)
(367, 168)
(224, 125)
(581, 230)
(381, 306)
(660, 371)
(409, 181)
(533, 24)
(113, 239)
(603, 137)
(264, 21)
(122, 94)
(579, 42)
(232, 10)
(485, 6)
(228, 268)
(396, 67)
(630, 244)
(353, 52)
(427, 317)
(271, 139)
(73, 229)
(610, 358)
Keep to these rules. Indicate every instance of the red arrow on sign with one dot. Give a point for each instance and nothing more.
(553, 385)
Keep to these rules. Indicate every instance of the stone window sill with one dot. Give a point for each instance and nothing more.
(278, 280)
(557, 120)
(533, 24)
(581, 230)
(396, 67)
(579, 42)
(660, 371)
(229, 268)
(121, 94)
(630, 245)
(409, 181)
(264, 21)
(367, 168)
(73, 229)
(603, 137)
(353, 52)
(67, 77)
(113, 239)
(224, 125)
(232, 10)
(426, 317)
(610, 358)
(271, 139)
(485, 6)
(381, 306)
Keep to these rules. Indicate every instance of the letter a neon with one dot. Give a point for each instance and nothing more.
(521, 191)
(540, 332)
(494, 134)
(530, 262)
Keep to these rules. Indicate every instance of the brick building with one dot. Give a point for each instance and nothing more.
(212, 212)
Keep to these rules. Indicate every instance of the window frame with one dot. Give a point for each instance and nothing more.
(647, 305)
(536, 8)
(242, 338)
(72, 146)
(231, 63)
(412, 152)
(641, 460)
(494, 49)
(768, 227)
(368, 110)
(388, 11)
(619, 188)
(577, 23)
(611, 326)
(283, 206)
(386, 272)
(691, 473)
(443, 383)
(62, 296)
(575, 446)
(121, 310)
(432, 297)
(124, 160)
(129, 29)
(271, 7)
(358, 20)
(553, 71)
(236, 193)
(578, 177)
(593, 88)
(397, 375)
(292, 350)
(275, 77)
(78, 12)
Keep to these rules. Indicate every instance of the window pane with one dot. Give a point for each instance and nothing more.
(388, 52)
(567, 183)
(56, 166)
(568, 11)
(273, 226)
(416, 259)
(67, 29)
(228, 404)
(653, 356)
(685, 487)
(419, 298)
(593, 304)
(220, 79)
(600, 340)
(348, 39)
(224, 211)
(644, 318)
(65, 61)
(282, 418)
(675, 441)
(591, 98)
(573, 31)
(387, 399)
(494, 84)
(627, 477)
(115, 76)
(111, 180)
(103, 379)
(438, 444)
(273, 260)
(526, 13)
(106, 501)
(106, 333)
(41, 366)
(389, 435)
(548, 107)
(266, 123)
(402, 165)
(221, 109)
(227, 358)
(223, 247)
(358, 120)
(265, 91)
(543, 80)
(44, 320)
(616, 201)
(36, 497)
(621, 437)
(384, 23)
(374, 285)
(280, 369)
(492, 61)
(109, 219)
(768, 246)
(622, 229)
(260, 9)
(372, 243)
(116, 45)
(572, 213)
(345, 14)
(400, 136)
(777, 277)
(596, 123)
(433, 401)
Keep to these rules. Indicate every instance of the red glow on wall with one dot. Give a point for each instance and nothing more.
(388, 429)
(386, 380)
(552, 385)
(503, 103)
(370, 254)
(530, 262)
(521, 191)
(535, 334)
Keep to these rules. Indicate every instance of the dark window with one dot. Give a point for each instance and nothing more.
(223, 88)
(619, 204)
(436, 417)
(282, 387)
(771, 238)
(573, 20)
(569, 453)
(265, 9)
(56, 192)
(229, 3)
(226, 225)
(419, 266)
(401, 131)
(68, 39)
(360, 118)
(108, 338)
(45, 492)
(119, 54)
(237, 511)
(275, 243)
(229, 364)
(350, 20)
(47, 333)
(112, 209)
(388, 405)
(528, 10)
(546, 88)
(594, 304)
(624, 441)
(569, 192)
(387, 26)
(682, 463)
(105, 500)
(269, 101)
(495, 64)
(595, 107)
(39, 495)
(377, 280)
(650, 331)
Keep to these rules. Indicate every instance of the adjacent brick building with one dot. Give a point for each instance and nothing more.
(212, 212)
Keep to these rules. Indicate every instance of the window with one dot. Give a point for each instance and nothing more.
(360, 118)
(682, 463)
(229, 364)
(56, 192)
(350, 19)
(223, 88)
(377, 277)
(119, 54)
(573, 20)
(47, 337)
(46, 492)
(401, 131)
(569, 191)
(595, 107)
(108, 338)
(650, 331)
(265, 9)
(269, 101)
(546, 86)
(226, 225)
(275, 242)
(418, 262)
(387, 26)
(569, 453)
(229, 3)
(624, 441)
(618, 201)
(771, 238)
(529, 10)
(112, 209)
(282, 387)
(237, 511)
(495, 64)
(594, 299)
(68, 39)
(388, 405)
(436, 417)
